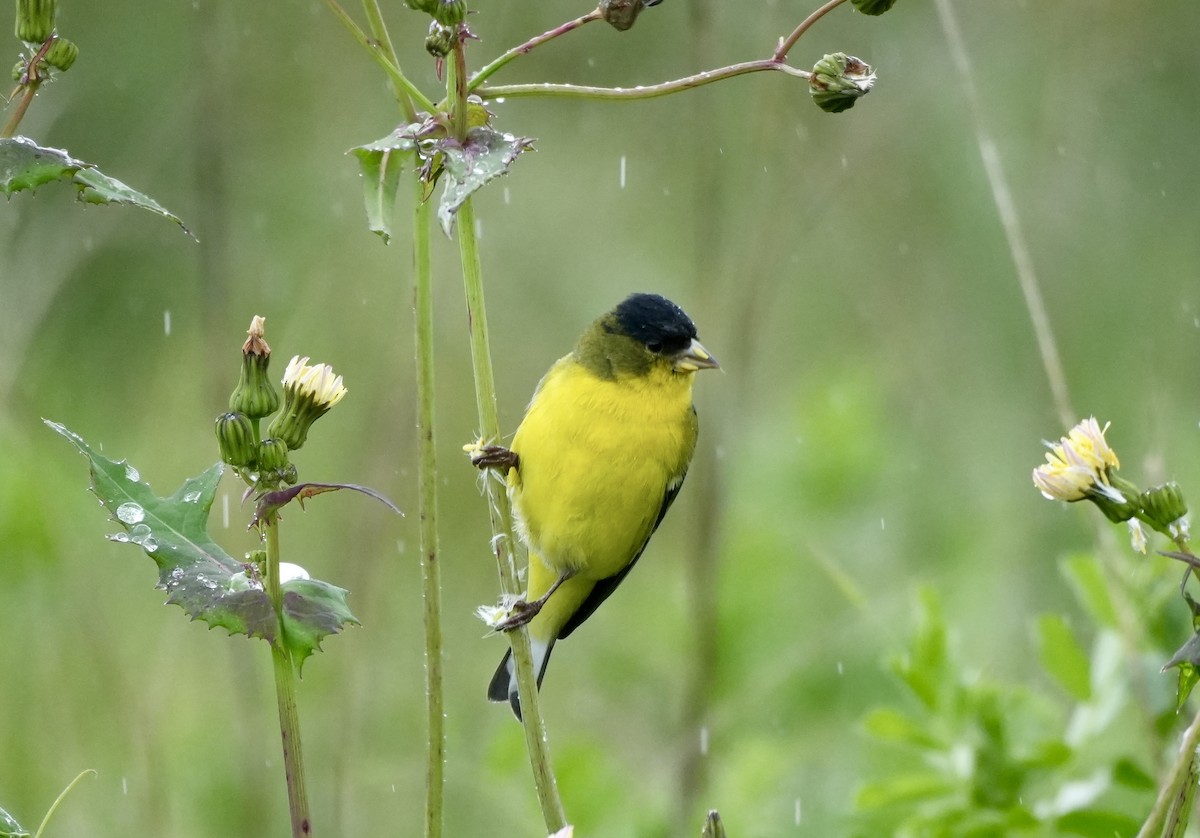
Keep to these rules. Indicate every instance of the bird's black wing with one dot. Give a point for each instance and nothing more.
(605, 587)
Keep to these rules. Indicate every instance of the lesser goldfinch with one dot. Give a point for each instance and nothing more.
(597, 461)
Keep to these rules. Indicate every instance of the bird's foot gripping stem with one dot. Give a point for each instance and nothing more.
(522, 612)
(491, 456)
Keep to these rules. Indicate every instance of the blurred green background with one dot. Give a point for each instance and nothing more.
(881, 406)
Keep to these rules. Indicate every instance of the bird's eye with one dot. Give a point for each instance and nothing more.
(654, 346)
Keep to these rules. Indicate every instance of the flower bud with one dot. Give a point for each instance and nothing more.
(622, 14)
(449, 12)
(61, 54)
(308, 394)
(421, 5)
(839, 80)
(235, 437)
(35, 20)
(18, 72)
(272, 455)
(873, 7)
(1163, 506)
(440, 40)
(255, 395)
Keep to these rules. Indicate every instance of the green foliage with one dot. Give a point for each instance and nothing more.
(9, 828)
(993, 759)
(382, 162)
(26, 165)
(198, 575)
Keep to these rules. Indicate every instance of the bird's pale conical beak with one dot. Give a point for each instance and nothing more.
(695, 357)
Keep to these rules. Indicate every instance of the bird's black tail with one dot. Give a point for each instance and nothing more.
(504, 683)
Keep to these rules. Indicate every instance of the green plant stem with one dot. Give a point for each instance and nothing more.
(14, 121)
(456, 86)
(427, 505)
(641, 92)
(285, 695)
(62, 795)
(787, 43)
(1181, 772)
(500, 513)
(523, 49)
(384, 41)
(397, 78)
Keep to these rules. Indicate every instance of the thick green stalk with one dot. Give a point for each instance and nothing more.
(285, 695)
(1182, 771)
(427, 505)
(500, 513)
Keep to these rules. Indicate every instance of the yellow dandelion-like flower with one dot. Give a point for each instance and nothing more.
(317, 382)
(309, 391)
(1078, 465)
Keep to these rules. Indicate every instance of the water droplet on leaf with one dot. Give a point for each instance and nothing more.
(130, 513)
(132, 474)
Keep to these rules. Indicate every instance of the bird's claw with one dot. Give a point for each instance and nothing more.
(493, 456)
(520, 614)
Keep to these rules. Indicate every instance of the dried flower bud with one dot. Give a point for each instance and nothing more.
(839, 80)
(622, 14)
(255, 394)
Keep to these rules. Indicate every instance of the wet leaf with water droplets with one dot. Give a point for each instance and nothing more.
(26, 165)
(469, 166)
(197, 574)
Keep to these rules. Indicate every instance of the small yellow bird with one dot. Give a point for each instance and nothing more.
(594, 466)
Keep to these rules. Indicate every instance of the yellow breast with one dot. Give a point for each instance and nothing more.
(596, 459)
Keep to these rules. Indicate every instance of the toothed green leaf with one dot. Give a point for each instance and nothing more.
(26, 165)
(198, 575)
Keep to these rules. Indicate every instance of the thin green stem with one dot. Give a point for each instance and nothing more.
(398, 79)
(641, 92)
(527, 47)
(427, 505)
(384, 41)
(500, 513)
(62, 795)
(787, 43)
(285, 696)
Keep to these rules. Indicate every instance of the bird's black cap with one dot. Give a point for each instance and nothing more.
(656, 322)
